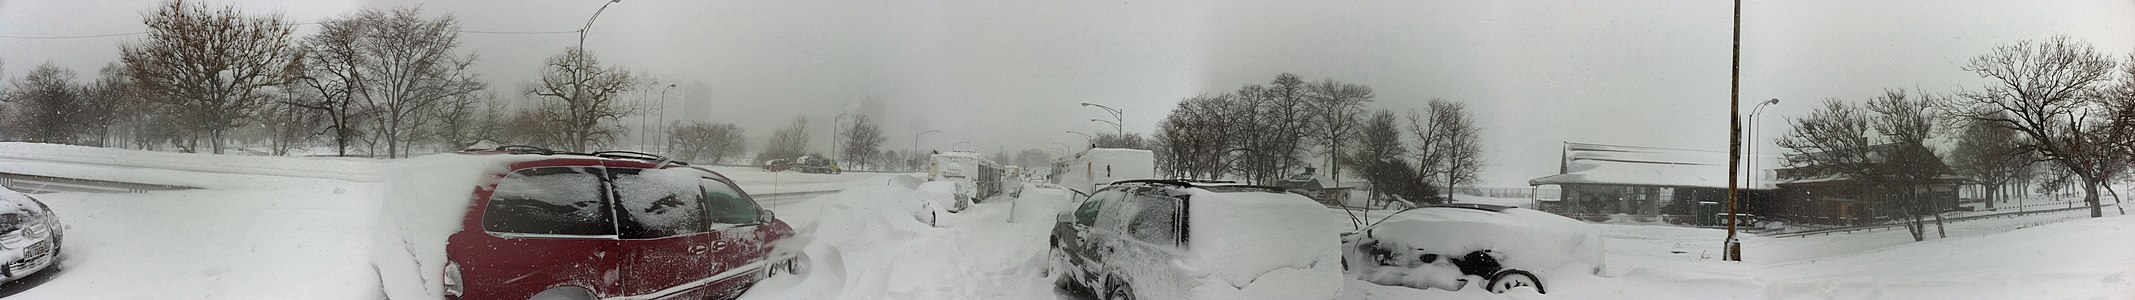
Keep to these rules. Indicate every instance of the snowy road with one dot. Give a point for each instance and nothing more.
(249, 235)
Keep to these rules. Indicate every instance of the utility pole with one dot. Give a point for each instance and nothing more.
(1119, 117)
(578, 79)
(1733, 247)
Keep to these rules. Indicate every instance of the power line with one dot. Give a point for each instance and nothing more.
(63, 37)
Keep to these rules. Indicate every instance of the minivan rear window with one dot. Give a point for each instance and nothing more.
(549, 200)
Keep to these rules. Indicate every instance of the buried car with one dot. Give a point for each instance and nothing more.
(1164, 239)
(30, 236)
(1448, 246)
(541, 224)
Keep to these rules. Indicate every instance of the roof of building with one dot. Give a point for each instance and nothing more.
(1645, 166)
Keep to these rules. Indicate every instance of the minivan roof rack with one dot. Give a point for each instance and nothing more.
(1197, 184)
(611, 154)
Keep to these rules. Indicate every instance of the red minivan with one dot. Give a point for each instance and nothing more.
(610, 225)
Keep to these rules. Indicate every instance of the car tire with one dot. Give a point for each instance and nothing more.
(1510, 279)
(564, 293)
(798, 265)
(1116, 289)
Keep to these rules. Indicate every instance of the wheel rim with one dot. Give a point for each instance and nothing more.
(1511, 281)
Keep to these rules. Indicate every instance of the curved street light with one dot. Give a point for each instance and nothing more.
(1119, 116)
(915, 140)
(663, 118)
(1086, 138)
(1754, 142)
(1116, 129)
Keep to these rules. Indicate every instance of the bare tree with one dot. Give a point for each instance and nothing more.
(787, 143)
(1379, 155)
(468, 119)
(1336, 107)
(1449, 145)
(863, 140)
(395, 68)
(1989, 154)
(1192, 138)
(706, 142)
(44, 103)
(211, 63)
(589, 96)
(1836, 140)
(2047, 92)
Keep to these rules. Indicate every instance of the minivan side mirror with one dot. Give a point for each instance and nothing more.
(766, 216)
(1064, 217)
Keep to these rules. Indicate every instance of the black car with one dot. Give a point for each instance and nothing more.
(29, 236)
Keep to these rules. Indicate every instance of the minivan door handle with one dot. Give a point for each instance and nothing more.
(698, 249)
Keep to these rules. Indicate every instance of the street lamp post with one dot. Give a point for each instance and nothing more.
(915, 139)
(837, 125)
(663, 119)
(1755, 144)
(1119, 116)
(578, 82)
(1115, 126)
(1086, 138)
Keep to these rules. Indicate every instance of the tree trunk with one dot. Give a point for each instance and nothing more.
(2090, 196)
(1939, 232)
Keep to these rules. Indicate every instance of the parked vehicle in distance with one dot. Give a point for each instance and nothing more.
(30, 236)
(976, 177)
(1092, 169)
(777, 165)
(817, 165)
(610, 224)
(1164, 239)
(1448, 246)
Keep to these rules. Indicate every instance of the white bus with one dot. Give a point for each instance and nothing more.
(1089, 170)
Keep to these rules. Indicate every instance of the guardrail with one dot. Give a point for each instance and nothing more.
(1869, 228)
(36, 184)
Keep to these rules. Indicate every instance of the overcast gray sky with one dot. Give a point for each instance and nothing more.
(1010, 73)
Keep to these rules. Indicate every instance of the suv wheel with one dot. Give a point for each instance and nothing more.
(1116, 289)
(1509, 279)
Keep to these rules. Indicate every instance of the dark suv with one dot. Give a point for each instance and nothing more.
(609, 225)
(1167, 239)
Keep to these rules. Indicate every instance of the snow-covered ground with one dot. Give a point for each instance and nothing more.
(297, 232)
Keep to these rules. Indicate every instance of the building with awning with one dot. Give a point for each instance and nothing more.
(1599, 181)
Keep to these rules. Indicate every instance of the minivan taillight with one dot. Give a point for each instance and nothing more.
(453, 285)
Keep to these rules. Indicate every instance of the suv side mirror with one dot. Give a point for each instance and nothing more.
(765, 216)
(1064, 217)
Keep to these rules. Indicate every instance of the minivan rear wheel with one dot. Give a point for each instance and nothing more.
(1116, 289)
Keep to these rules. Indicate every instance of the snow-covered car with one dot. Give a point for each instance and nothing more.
(1448, 246)
(30, 236)
(541, 224)
(946, 194)
(1163, 239)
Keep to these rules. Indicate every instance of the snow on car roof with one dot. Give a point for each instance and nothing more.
(1241, 236)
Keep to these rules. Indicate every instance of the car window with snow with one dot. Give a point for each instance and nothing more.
(658, 203)
(728, 206)
(1156, 219)
(553, 200)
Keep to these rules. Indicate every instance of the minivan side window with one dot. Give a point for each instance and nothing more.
(549, 200)
(658, 203)
(1157, 221)
(728, 206)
